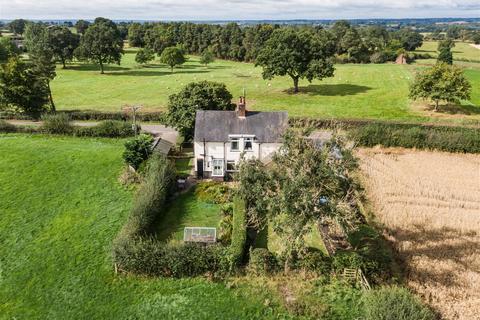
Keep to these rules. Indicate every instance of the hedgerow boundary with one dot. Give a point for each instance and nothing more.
(136, 250)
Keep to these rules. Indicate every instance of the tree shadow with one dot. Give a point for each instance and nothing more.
(331, 90)
(147, 73)
(168, 224)
(455, 109)
(94, 67)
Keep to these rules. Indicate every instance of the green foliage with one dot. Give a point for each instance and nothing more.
(101, 44)
(452, 139)
(63, 43)
(144, 56)
(213, 192)
(315, 260)
(17, 26)
(262, 262)
(298, 54)
(204, 95)
(409, 39)
(445, 51)
(7, 49)
(136, 34)
(441, 83)
(107, 129)
(22, 88)
(239, 233)
(225, 229)
(56, 124)
(81, 26)
(138, 150)
(207, 57)
(172, 56)
(347, 259)
(394, 303)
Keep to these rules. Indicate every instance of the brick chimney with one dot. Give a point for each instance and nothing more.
(241, 108)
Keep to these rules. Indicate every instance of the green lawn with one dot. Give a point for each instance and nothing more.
(461, 50)
(187, 211)
(356, 91)
(61, 205)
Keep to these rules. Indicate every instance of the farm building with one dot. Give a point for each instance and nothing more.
(222, 138)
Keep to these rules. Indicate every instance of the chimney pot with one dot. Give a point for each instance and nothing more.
(241, 108)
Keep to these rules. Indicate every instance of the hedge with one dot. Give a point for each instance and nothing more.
(107, 129)
(444, 138)
(92, 115)
(239, 233)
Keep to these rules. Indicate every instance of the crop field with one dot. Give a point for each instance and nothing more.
(429, 203)
(462, 50)
(356, 91)
(61, 206)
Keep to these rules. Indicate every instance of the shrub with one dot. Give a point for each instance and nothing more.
(225, 229)
(262, 262)
(107, 129)
(315, 260)
(394, 303)
(138, 150)
(6, 127)
(346, 259)
(378, 57)
(213, 192)
(58, 123)
(239, 233)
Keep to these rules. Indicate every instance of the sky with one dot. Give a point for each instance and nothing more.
(237, 9)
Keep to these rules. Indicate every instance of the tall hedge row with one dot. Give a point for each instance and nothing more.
(239, 233)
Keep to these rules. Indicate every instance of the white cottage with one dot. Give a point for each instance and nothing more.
(223, 137)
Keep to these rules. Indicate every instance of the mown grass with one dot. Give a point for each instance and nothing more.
(61, 206)
(461, 50)
(356, 91)
(187, 211)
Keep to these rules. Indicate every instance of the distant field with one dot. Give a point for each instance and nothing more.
(61, 206)
(461, 50)
(429, 203)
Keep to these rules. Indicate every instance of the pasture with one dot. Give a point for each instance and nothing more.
(462, 50)
(61, 206)
(356, 91)
(430, 213)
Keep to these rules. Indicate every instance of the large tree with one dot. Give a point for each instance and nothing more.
(136, 35)
(7, 49)
(172, 56)
(41, 55)
(82, 26)
(101, 43)
(204, 95)
(63, 43)
(445, 51)
(442, 82)
(298, 54)
(207, 57)
(17, 26)
(22, 88)
(410, 40)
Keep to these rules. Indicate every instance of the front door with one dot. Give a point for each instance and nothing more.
(218, 170)
(200, 168)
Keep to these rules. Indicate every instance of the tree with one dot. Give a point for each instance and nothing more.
(22, 88)
(204, 95)
(7, 49)
(144, 56)
(207, 57)
(136, 34)
(410, 40)
(476, 38)
(445, 51)
(453, 32)
(63, 43)
(82, 26)
(442, 82)
(17, 26)
(101, 43)
(172, 56)
(298, 54)
(41, 55)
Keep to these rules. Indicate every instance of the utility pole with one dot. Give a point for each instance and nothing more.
(134, 110)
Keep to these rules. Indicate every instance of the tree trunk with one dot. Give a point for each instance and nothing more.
(436, 106)
(63, 63)
(50, 97)
(101, 67)
(286, 266)
(171, 68)
(295, 84)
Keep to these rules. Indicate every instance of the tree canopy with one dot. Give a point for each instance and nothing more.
(144, 56)
(7, 49)
(442, 82)
(410, 40)
(172, 56)
(17, 26)
(101, 43)
(63, 43)
(204, 95)
(298, 54)
(207, 57)
(81, 26)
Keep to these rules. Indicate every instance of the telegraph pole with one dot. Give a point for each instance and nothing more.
(134, 110)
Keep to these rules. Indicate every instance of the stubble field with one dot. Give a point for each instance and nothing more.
(429, 204)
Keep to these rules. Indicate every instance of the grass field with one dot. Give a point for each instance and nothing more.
(461, 50)
(187, 211)
(356, 91)
(61, 206)
(429, 203)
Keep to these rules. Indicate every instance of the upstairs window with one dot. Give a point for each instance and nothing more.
(235, 144)
(248, 144)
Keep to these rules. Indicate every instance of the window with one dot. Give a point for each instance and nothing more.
(234, 144)
(248, 144)
(231, 165)
(218, 168)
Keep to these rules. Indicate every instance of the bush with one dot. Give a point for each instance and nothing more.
(6, 127)
(107, 129)
(225, 229)
(138, 150)
(262, 262)
(452, 139)
(315, 260)
(393, 303)
(346, 259)
(213, 192)
(239, 233)
(58, 123)
(378, 57)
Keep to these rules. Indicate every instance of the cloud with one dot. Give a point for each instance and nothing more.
(236, 9)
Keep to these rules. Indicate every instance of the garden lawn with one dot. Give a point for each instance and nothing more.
(60, 208)
(187, 211)
(356, 91)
